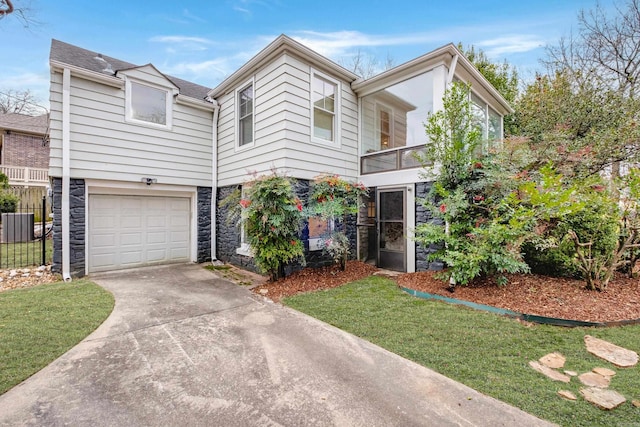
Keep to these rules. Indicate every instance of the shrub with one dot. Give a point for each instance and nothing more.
(332, 199)
(272, 216)
(8, 202)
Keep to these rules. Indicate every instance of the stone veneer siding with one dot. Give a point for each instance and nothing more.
(77, 222)
(423, 216)
(228, 235)
(204, 224)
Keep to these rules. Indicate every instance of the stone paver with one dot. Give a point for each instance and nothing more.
(550, 373)
(612, 353)
(603, 398)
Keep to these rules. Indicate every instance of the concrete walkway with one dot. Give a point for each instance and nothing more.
(185, 348)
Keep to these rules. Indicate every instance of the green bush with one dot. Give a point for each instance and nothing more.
(8, 202)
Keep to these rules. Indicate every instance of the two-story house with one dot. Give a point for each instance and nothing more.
(140, 161)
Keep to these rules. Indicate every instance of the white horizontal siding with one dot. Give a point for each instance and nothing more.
(105, 146)
(282, 124)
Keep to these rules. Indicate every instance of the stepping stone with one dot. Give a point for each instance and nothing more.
(566, 394)
(553, 360)
(591, 379)
(636, 403)
(604, 372)
(571, 373)
(603, 398)
(545, 370)
(612, 353)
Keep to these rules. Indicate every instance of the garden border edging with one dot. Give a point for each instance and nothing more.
(515, 315)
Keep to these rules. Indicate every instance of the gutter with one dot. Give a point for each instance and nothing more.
(66, 172)
(214, 177)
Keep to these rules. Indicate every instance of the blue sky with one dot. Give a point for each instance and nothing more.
(205, 41)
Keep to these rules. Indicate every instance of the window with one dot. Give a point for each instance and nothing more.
(319, 230)
(495, 126)
(148, 104)
(325, 106)
(479, 111)
(384, 127)
(245, 113)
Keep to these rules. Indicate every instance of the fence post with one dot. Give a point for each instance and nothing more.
(43, 233)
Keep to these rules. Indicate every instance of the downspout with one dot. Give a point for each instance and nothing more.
(66, 168)
(214, 177)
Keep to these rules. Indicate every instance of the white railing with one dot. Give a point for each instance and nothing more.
(20, 175)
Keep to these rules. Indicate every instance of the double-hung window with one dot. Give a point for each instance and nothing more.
(149, 104)
(325, 104)
(245, 112)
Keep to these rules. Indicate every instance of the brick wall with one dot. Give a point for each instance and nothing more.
(25, 150)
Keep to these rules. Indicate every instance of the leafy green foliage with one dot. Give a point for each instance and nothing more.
(333, 199)
(8, 201)
(272, 216)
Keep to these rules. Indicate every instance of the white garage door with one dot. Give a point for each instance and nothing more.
(132, 231)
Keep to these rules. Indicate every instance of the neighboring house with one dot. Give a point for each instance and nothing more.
(24, 149)
(140, 160)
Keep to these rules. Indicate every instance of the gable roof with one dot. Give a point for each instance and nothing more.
(64, 53)
(23, 123)
(452, 58)
(282, 44)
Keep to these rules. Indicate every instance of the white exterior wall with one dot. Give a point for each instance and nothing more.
(282, 125)
(105, 146)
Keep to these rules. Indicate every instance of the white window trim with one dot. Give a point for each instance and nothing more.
(337, 110)
(379, 106)
(168, 100)
(317, 243)
(245, 247)
(238, 147)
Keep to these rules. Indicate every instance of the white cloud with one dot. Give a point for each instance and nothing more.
(180, 39)
(505, 45)
(37, 84)
(337, 43)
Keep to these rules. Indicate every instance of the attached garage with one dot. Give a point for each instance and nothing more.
(128, 231)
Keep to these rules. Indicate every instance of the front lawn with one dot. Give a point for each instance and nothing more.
(484, 351)
(39, 324)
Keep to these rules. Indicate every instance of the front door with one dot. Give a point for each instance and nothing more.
(392, 242)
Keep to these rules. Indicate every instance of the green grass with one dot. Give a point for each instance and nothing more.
(19, 255)
(39, 324)
(487, 352)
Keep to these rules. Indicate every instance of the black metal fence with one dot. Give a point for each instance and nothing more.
(25, 238)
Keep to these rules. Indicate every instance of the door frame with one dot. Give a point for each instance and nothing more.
(379, 221)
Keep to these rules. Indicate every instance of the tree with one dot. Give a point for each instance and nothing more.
(601, 67)
(480, 230)
(365, 65)
(23, 13)
(606, 48)
(20, 102)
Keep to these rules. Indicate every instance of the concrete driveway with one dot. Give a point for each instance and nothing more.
(185, 348)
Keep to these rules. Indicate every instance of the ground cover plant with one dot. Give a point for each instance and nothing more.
(39, 324)
(484, 351)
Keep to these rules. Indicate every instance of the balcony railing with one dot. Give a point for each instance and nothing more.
(20, 175)
(391, 160)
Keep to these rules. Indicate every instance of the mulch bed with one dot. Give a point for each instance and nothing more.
(531, 294)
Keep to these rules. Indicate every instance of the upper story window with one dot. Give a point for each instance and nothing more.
(325, 105)
(245, 112)
(149, 104)
(385, 127)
